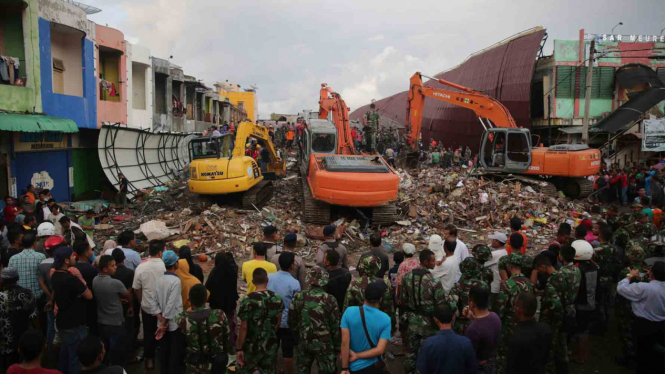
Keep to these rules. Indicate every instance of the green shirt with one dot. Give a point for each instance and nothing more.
(435, 158)
(649, 213)
(88, 223)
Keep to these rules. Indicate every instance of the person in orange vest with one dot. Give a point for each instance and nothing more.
(290, 135)
(515, 227)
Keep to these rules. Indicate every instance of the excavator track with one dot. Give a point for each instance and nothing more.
(258, 195)
(314, 211)
(384, 215)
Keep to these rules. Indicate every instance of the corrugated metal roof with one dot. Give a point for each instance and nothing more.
(504, 71)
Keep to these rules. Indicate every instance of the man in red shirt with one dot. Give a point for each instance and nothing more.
(10, 210)
(624, 187)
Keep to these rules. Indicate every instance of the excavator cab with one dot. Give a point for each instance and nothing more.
(506, 150)
(319, 137)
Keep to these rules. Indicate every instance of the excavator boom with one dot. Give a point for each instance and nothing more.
(330, 102)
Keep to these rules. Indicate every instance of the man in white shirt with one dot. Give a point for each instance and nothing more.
(461, 250)
(498, 246)
(145, 287)
(450, 266)
(436, 246)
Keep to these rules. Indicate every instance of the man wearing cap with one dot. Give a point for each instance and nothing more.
(410, 262)
(378, 251)
(420, 294)
(331, 243)
(270, 238)
(313, 315)
(459, 294)
(508, 293)
(498, 245)
(45, 230)
(18, 311)
(360, 322)
(299, 271)
(169, 305)
(69, 293)
(145, 288)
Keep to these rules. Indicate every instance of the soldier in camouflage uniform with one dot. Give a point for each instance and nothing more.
(510, 289)
(260, 315)
(420, 294)
(459, 294)
(314, 316)
(371, 128)
(355, 294)
(557, 305)
(482, 254)
(625, 317)
(207, 333)
(609, 260)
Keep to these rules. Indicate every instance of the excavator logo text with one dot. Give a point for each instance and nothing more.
(441, 95)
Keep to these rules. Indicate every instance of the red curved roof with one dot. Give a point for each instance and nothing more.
(503, 71)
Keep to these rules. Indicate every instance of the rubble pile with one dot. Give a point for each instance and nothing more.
(429, 199)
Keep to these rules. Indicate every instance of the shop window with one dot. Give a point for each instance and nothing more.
(109, 74)
(160, 93)
(12, 44)
(66, 54)
(176, 100)
(138, 85)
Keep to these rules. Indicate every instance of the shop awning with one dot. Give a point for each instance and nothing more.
(630, 111)
(35, 123)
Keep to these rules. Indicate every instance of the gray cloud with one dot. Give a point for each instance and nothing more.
(364, 49)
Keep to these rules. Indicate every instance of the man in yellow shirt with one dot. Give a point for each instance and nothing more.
(259, 261)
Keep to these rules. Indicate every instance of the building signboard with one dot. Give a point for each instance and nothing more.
(39, 141)
(600, 38)
(654, 135)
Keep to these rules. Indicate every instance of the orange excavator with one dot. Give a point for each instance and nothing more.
(333, 173)
(504, 147)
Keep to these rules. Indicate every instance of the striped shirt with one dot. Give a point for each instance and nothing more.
(27, 264)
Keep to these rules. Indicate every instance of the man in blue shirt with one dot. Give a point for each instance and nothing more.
(359, 355)
(127, 242)
(446, 352)
(286, 286)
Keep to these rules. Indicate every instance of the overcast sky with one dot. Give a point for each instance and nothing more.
(364, 49)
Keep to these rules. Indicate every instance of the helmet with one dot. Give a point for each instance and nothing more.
(470, 268)
(482, 253)
(369, 265)
(258, 146)
(45, 229)
(317, 276)
(583, 250)
(53, 242)
(635, 252)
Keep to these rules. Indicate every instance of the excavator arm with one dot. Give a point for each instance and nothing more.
(483, 105)
(331, 102)
(248, 130)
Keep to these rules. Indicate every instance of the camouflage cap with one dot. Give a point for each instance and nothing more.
(470, 268)
(515, 259)
(649, 230)
(482, 253)
(527, 261)
(625, 218)
(639, 215)
(317, 276)
(636, 205)
(369, 265)
(635, 252)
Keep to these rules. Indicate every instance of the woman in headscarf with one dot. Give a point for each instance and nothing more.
(187, 281)
(185, 253)
(223, 286)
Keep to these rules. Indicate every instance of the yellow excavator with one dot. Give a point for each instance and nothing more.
(218, 165)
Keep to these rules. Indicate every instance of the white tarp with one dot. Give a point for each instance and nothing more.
(147, 159)
(654, 135)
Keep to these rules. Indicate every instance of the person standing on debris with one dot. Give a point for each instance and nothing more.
(87, 223)
(368, 267)
(223, 286)
(456, 157)
(420, 295)
(264, 160)
(127, 242)
(498, 244)
(378, 251)
(371, 128)
(121, 196)
(260, 315)
(450, 266)
(169, 305)
(509, 290)
(436, 246)
(290, 136)
(207, 335)
(314, 317)
(145, 286)
(365, 333)
(515, 227)
(300, 270)
(390, 156)
(270, 238)
(436, 158)
(445, 163)
(286, 286)
(467, 154)
(259, 261)
(331, 243)
(461, 250)
(339, 278)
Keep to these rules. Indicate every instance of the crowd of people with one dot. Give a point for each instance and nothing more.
(631, 184)
(499, 307)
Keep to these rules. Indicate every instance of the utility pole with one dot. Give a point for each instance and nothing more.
(549, 120)
(587, 96)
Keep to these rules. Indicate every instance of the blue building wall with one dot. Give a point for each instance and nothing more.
(82, 110)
